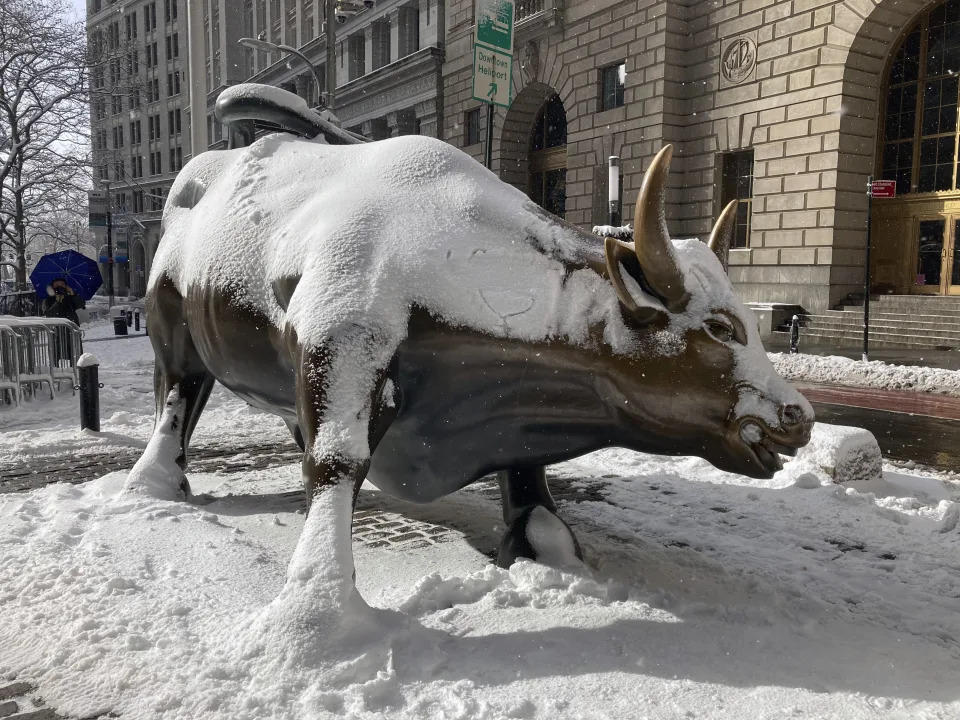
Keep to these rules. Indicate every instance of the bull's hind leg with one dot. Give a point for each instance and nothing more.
(534, 530)
(181, 385)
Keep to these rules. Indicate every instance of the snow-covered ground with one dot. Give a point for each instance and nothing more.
(704, 594)
(872, 374)
(44, 429)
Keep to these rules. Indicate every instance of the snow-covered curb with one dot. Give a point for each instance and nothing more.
(874, 374)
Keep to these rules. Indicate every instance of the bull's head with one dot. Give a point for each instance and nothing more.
(700, 381)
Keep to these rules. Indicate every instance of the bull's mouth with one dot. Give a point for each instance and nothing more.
(766, 447)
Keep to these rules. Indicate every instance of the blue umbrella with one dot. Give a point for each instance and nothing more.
(81, 273)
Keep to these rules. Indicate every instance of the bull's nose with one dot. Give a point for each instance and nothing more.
(792, 415)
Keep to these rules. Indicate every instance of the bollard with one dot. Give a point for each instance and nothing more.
(795, 335)
(88, 371)
(129, 318)
(136, 321)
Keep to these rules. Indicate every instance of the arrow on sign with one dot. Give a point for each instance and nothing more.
(493, 90)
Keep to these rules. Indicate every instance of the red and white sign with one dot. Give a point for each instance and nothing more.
(884, 189)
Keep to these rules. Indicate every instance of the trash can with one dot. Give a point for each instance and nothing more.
(119, 316)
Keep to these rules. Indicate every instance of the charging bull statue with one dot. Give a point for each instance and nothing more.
(418, 323)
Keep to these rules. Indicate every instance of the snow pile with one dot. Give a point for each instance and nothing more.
(872, 374)
(846, 454)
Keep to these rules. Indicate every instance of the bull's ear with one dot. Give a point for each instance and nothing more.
(620, 257)
(652, 240)
(719, 240)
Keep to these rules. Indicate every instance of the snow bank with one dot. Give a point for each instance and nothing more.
(846, 454)
(872, 374)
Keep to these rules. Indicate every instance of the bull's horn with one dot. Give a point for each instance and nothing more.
(719, 240)
(651, 237)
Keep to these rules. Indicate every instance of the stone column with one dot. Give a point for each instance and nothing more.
(402, 122)
(368, 41)
(394, 18)
(426, 113)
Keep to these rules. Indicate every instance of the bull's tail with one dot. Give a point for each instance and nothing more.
(249, 107)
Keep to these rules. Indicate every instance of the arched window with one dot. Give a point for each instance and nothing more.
(920, 102)
(548, 157)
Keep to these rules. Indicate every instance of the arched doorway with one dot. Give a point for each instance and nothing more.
(916, 240)
(547, 184)
(138, 268)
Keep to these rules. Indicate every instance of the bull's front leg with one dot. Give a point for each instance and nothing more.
(341, 416)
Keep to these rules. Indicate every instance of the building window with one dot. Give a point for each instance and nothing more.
(380, 35)
(920, 105)
(612, 81)
(408, 30)
(737, 184)
(357, 49)
(548, 157)
(116, 104)
(471, 126)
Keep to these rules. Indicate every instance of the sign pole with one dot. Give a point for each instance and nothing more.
(488, 148)
(866, 275)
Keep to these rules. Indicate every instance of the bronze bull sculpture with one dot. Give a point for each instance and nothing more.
(420, 324)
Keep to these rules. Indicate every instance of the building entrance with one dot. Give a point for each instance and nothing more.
(915, 236)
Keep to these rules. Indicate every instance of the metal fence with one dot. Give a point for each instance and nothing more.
(37, 352)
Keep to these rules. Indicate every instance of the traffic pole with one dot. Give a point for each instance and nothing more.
(866, 275)
(488, 150)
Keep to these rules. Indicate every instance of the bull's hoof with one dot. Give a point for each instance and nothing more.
(540, 535)
(158, 480)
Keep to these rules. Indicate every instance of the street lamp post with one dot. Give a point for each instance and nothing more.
(270, 47)
(106, 187)
(613, 190)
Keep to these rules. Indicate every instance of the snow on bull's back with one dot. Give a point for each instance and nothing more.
(372, 230)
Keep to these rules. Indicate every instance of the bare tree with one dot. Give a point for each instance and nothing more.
(43, 101)
(46, 100)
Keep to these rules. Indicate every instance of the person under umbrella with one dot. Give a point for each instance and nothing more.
(62, 302)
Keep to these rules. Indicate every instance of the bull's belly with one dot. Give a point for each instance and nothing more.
(449, 432)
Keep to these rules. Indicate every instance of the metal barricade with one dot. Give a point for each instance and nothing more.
(66, 347)
(37, 352)
(34, 354)
(10, 390)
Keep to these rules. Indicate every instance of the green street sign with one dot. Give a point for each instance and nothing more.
(98, 219)
(495, 24)
(492, 76)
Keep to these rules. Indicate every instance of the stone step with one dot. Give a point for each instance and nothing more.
(934, 305)
(877, 339)
(904, 327)
(952, 315)
(893, 318)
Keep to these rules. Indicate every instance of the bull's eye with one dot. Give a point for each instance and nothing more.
(719, 330)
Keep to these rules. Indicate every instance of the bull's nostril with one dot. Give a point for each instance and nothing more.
(792, 415)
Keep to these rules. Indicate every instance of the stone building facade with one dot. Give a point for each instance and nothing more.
(388, 61)
(388, 83)
(138, 118)
(779, 102)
